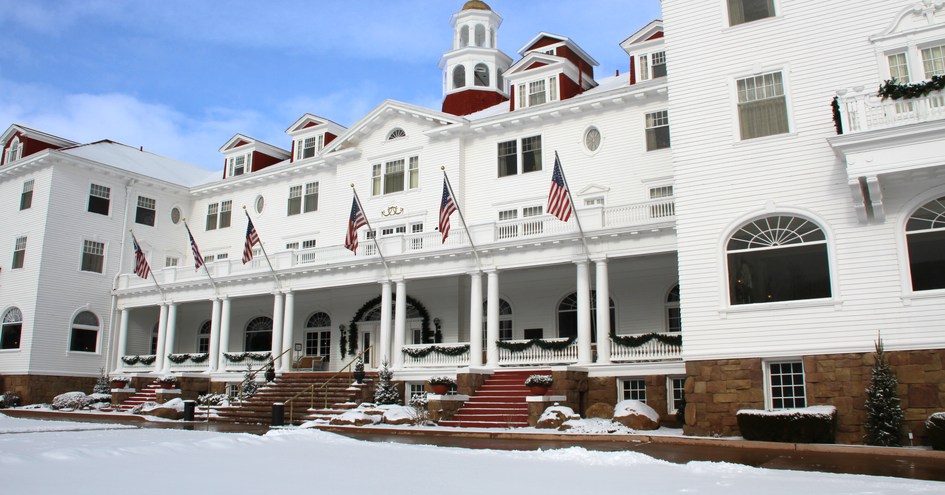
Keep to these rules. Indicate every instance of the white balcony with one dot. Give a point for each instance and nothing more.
(862, 110)
(652, 350)
(433, 358)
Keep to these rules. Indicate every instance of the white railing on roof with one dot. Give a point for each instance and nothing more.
(537, 355)
(661, 210)
(862, 110)
(434, 359)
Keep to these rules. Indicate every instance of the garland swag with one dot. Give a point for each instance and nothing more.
(638, 340)
(896, 91)
(426, 334)
(548, 345)
(446, 350)
(238, 357)
(195, 357)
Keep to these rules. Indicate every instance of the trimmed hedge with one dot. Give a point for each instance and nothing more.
(816, 424)
(935, 426)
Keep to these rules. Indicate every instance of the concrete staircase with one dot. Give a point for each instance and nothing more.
(147, 394)
(499, 403)
(258, 409)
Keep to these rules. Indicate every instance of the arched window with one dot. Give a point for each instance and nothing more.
(505, 320)
(492, 38)
(154, 336)
(480, 35)
(203, 337)
(925, 237)
(673, 320)
(258, 334)
(11, 329)
(459, 76)
(84, 332)
(15, 151)
(464, 36)
(567, 316)
(481, 75)
(318, 335)
(375, 313)
(396, 133)
(778, 258)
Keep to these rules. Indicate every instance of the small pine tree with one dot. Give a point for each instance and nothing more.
(386, 392)
(883, 411)
(103, 384)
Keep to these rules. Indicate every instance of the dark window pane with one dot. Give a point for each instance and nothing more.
(98, 205)
(144, 216)
(83, 340)
(785, 274)
(26, 200)
(927, 260)
(10, 336)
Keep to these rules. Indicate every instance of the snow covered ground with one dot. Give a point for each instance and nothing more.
(60, 457)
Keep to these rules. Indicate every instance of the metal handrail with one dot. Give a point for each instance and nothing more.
(252, 373)
(311, 388)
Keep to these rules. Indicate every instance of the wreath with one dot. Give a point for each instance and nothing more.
(130, 360)
(235, 357)
(178, 358)
(639, 340)
(426, 335)
(446, 350)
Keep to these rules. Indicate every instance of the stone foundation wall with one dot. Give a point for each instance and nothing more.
(716, 390)
(39, 389)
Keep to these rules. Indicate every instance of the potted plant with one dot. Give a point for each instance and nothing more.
(167, 381)
(120, 381)
(359, 370)
(539, 384)
(441, 384)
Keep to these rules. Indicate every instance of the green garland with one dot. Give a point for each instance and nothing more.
(343, 341)
(135, 359)
(149, 359)
(446, 350)
(548, 345)
(896, 91)
(639, 340)
(837, 118)
(426, 335)
(199, 358)
(177, 358)
(130, 360)
(238, 357)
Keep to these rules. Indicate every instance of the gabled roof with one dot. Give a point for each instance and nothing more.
(645, 33)
(559, 39)
(141, 162)
(383, 111)
(37, 135)
(310, 120)
(530, 59)
(240, 140)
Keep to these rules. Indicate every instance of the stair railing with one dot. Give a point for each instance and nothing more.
(323, 390)
(251, 373)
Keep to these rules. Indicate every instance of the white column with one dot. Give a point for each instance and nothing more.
(171, 334)
(214, 349)
(225, 313)
(288, 329)
(400, 324)
(492, 318)
(122, 338)
(583, 313)
(475, 319)
(278, 305)
(386, 296)
(603, 312)
(162, 333)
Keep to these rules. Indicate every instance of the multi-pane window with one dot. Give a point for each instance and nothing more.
(657, 130)
(84, 336)
(659, 64)
(213, 214)
(508, 156)
(318, 335)
(537, 92)
(634, 389)
(898, 68)
(786, 382)
(238, 165)
(762, 107)
(505, 321)
(644, 67)
(295, 200)
(19, 252)
(393, 176)
(535, 227)
(390, 177)
(225, 212)
(219, 215)
(396, 133)
(171, 261)
(26, 198)
(933, 61)
(677, 395)
(742, 11)
(11, 328)
(414, 389)
(306, 148)
(203, 337)
(93, 256)
(99, 199)
(652, 65)
(598, 201)
(508, 215)
(310, 201)
(414, 172)
(15, 151)
(145, 213)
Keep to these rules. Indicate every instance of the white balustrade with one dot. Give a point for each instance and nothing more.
(537, 355)
(434, 359)
(654, 350)
(862, 111)
(661, 210)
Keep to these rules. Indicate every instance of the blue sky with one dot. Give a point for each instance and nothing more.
(182, 77)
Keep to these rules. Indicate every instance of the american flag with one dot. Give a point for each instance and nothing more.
(355, 222)
(559, 199)
(447, 207)
(142, 269)
(252, 238)
(198, 259)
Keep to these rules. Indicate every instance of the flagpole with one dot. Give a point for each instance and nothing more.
(278, 283)
(370, 229)
(577, 218)
(150, 272)
(461, 217)
(204, 264)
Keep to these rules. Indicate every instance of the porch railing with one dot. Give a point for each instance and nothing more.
(434, 359)
(862, 110)
(654, 350)
(537, 355)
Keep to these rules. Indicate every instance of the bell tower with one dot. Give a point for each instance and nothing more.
(472, 69)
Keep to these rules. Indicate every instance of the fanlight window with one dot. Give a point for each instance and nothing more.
(319, 320)
(259, 334)
(568, 316)
(203, 337)
(925, 237)
(84, 336)
(778, 258)
(11, 328)
(396, 133)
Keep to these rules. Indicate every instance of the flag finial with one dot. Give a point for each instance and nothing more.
(442, 167)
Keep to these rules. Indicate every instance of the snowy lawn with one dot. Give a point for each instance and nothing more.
(167, 461)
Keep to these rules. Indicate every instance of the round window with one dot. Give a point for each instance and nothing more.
(260, 203)
(175, 215)
(592, 139)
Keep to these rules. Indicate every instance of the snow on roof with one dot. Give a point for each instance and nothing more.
(603, 85)
(143, 162)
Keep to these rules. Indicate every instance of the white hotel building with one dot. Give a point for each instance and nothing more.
(717, 202)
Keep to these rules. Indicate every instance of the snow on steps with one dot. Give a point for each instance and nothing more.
(499, 402)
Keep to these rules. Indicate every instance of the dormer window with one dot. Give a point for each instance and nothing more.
(240, 165)
(308, 147)
(396, 134)
(652, 65)
(537, 92)
(15, 151)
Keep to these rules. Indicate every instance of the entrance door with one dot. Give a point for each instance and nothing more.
(368, 331)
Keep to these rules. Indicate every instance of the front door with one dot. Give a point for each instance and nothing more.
(368, 334)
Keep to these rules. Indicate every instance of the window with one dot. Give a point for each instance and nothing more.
(898, 68)
(786, 382)
(644, 67)
(677, 394)
(657, 130)
(481, 75)
(260, 203)
(218, 215)
(225, 211)
(292, 245)
(175, 215)
(318, 335)
(26, 198)
(530, 157)
(93, 256)
(11, 328)
(673, 316)
(459, 76)
(762, 108)
(19, 252)
(308, 147)
(145, 213)
(665, 208)
(567, 316)
(592, 139)
(295, 200)
(84, 332)
(15, 151)
(414, 172)
(505, 321)
(308, 244)
(933, 61)
(239, 165)
(396, 134)
(464, 36)
(742, 11)
(171, 261)
(213, 213)
(203, 337)
(392, 179)
(99, 199)
(598, 201)
(537, 92)
(414, 389)
(508, 215)
(659, 64)
(634, 389)
(778, 258)
(258, 334)
(154, 339)
(393, 176)
(925, 239)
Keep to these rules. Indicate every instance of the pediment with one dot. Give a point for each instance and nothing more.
(652, 31)
(916, 17)
(533, 61)
(377, 122)
(593, 189)
(245, 143)
(309, 121)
